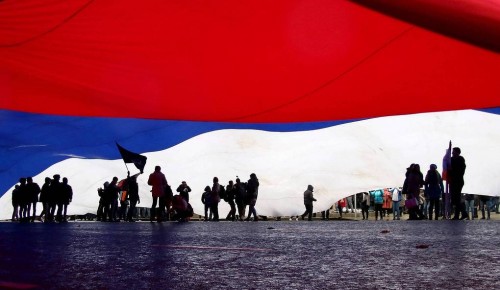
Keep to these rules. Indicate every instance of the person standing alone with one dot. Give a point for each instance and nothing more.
(308, 202)
(456, 173)
(158, 182)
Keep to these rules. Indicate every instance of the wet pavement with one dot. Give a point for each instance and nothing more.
(251, 255)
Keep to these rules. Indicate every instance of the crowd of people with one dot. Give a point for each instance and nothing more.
(421, 197)
(53, 195)
(167, 206)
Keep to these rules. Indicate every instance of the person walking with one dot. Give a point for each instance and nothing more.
(252, 194)
(308, 202)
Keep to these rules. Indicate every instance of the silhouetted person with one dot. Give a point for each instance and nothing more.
(15, 203)
(206, 199)
(24, 200)
(229, 198)
(133, 196)
(434, 190)
(308, 202)
(54, 196)
(111, 200)
(33, 190)
(414, 182)
(365, 204)
(102, 201)
(159, 183)
(456, 173)
(215, 198)
(252, 194)
(66, 198)
(184, 191)
(44, 199)
(240, 198)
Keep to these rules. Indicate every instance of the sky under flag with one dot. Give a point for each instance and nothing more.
(131, 157)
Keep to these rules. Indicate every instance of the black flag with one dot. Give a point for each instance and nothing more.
(131, 157)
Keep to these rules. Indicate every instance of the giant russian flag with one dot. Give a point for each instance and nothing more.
(343, 95)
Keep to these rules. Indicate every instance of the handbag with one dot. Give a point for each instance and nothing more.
(411, 202)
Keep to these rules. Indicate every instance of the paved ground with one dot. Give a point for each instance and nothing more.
(347, 254)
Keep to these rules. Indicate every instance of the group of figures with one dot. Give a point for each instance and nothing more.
(53, 194)
(427, 198)
(116, 196)
(421, 198)
(434, 189)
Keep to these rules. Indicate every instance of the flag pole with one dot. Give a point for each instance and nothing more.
(122, 158)
(447, 201)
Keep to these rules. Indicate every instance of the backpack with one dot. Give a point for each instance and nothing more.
(222, 192)
(169, 194)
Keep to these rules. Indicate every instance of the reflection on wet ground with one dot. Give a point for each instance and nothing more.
(251, 255)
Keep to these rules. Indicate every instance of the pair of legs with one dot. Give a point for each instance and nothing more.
(241, 210)
(482, 206)
(208, 216)
(325, 215)
(364, 211)
(396, 210)
(161, 201)
(252, 211)
(434, 204)
(214, 208)
(378, 210)
(132, 209)
(456, 200)
(469, 208)
(308, 212)
(232, 213)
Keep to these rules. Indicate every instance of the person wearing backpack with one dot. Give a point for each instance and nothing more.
(217, 190)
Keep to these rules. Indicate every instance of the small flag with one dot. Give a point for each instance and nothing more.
(446, 164)
(131, 157)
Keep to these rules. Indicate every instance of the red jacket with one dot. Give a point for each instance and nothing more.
(158, 181)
